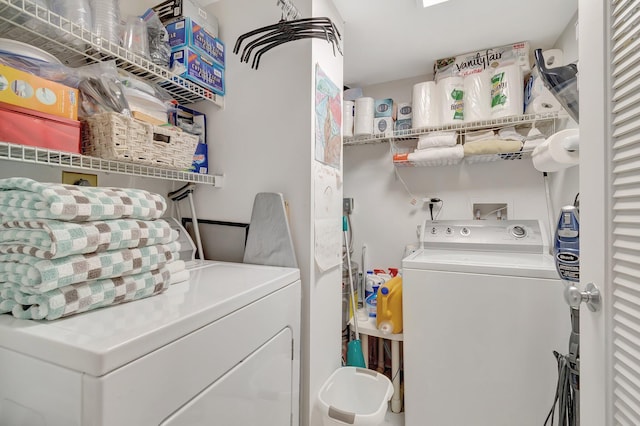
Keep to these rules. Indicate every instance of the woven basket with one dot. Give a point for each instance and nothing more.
(114, 136)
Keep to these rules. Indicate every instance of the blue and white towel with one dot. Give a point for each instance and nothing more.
(24, 198)
(54, 239)
(85, 296)
(33, 275)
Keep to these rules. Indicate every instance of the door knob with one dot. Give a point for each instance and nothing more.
(591, 297)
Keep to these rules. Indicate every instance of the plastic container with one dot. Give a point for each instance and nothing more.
(389, 307)
(371, 302)
(370, 281)
(354, 396)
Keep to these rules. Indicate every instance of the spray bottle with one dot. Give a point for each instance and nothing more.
(566, 247)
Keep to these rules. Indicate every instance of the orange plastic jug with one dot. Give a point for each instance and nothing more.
(389, 314)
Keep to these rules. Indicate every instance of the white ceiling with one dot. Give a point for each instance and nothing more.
(388, 40)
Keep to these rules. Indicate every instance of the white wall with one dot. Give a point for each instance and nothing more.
(263, 141)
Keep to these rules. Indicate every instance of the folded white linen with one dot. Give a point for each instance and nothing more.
(510, 133)
(479, 135)
(437, 156)
(437, 139)
(495, 146)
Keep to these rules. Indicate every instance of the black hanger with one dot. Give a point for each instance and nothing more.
(282, 32)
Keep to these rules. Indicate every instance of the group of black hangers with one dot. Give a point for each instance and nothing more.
(283, 32)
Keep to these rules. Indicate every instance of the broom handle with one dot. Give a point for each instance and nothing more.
(353, 296)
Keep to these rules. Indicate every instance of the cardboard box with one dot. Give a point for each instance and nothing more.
(404, 124)
(28, 127)
(472, 62)
(383, 108)
(383, 125)
(32, 92)
(201, 156)
(199, 69)
(171, 10)
(404, 111)
(187, 32)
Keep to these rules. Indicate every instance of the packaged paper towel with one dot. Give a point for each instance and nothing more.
(425, 104)
(477, 97)
(451, 100)
(537, 98)
(363, 120)
(507, 92)
(469, 63)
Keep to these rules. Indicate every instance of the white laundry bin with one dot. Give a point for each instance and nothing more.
(355, 396)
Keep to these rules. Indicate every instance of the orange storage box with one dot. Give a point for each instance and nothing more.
(28, 127)
(22, 89)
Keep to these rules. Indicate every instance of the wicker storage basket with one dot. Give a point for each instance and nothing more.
(114, 136)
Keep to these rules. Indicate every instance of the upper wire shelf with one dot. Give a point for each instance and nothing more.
(412, 134)
(28, 22)
(34, 155)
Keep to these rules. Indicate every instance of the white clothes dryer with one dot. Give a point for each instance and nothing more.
(221, 348)
(483, 312)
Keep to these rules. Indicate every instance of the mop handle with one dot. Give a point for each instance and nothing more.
(345, 228)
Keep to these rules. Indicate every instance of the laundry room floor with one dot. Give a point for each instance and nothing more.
(393, 419)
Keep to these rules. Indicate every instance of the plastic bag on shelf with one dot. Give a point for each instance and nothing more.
(101, 90)
(159, 48)
(47, 70)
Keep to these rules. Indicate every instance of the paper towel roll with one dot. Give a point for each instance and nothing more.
(451, 92)
(347, 118)
(553, 58)
(537, 98)
(507, 92)
(545, 102)
(477, 97)
(425, 105)
(363, 121)
(559, 151)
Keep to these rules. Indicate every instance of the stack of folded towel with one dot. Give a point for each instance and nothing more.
(437, 149)
(506, 140)
(68, 249)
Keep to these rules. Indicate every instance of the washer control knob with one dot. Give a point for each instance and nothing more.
(465, 231)
(434, 230)
(518, 231)
(449, 231)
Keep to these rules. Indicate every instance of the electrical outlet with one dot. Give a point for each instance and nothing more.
(347, 205)
(71, 178)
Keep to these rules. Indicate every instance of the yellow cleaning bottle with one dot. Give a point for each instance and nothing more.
(389, 309)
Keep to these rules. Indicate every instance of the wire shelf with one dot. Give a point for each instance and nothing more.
(34, 155)
(28, 22)
(471, 159)
(402, 135)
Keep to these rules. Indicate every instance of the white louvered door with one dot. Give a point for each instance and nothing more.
(609, 51)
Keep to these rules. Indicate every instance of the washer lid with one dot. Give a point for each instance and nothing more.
(97, 342)
(491, 263)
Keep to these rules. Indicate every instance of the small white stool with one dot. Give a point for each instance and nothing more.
(368, 328)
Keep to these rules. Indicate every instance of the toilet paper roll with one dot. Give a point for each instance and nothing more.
(559, 151)
(553, 58)
(507, 92)
(363, 121)
(477, 97)
(451, 100)
(404, 111)
(545, 102)
(425, 104)
(347, 118)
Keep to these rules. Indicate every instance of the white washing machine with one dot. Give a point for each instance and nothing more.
(483, 312)
(221, 348)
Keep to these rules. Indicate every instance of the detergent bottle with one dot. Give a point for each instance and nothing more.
(372, 280)
(389, 306)
(372, 302)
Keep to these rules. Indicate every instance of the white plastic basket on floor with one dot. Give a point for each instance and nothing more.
(355, 396)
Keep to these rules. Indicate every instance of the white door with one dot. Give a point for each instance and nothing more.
(609, 52)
